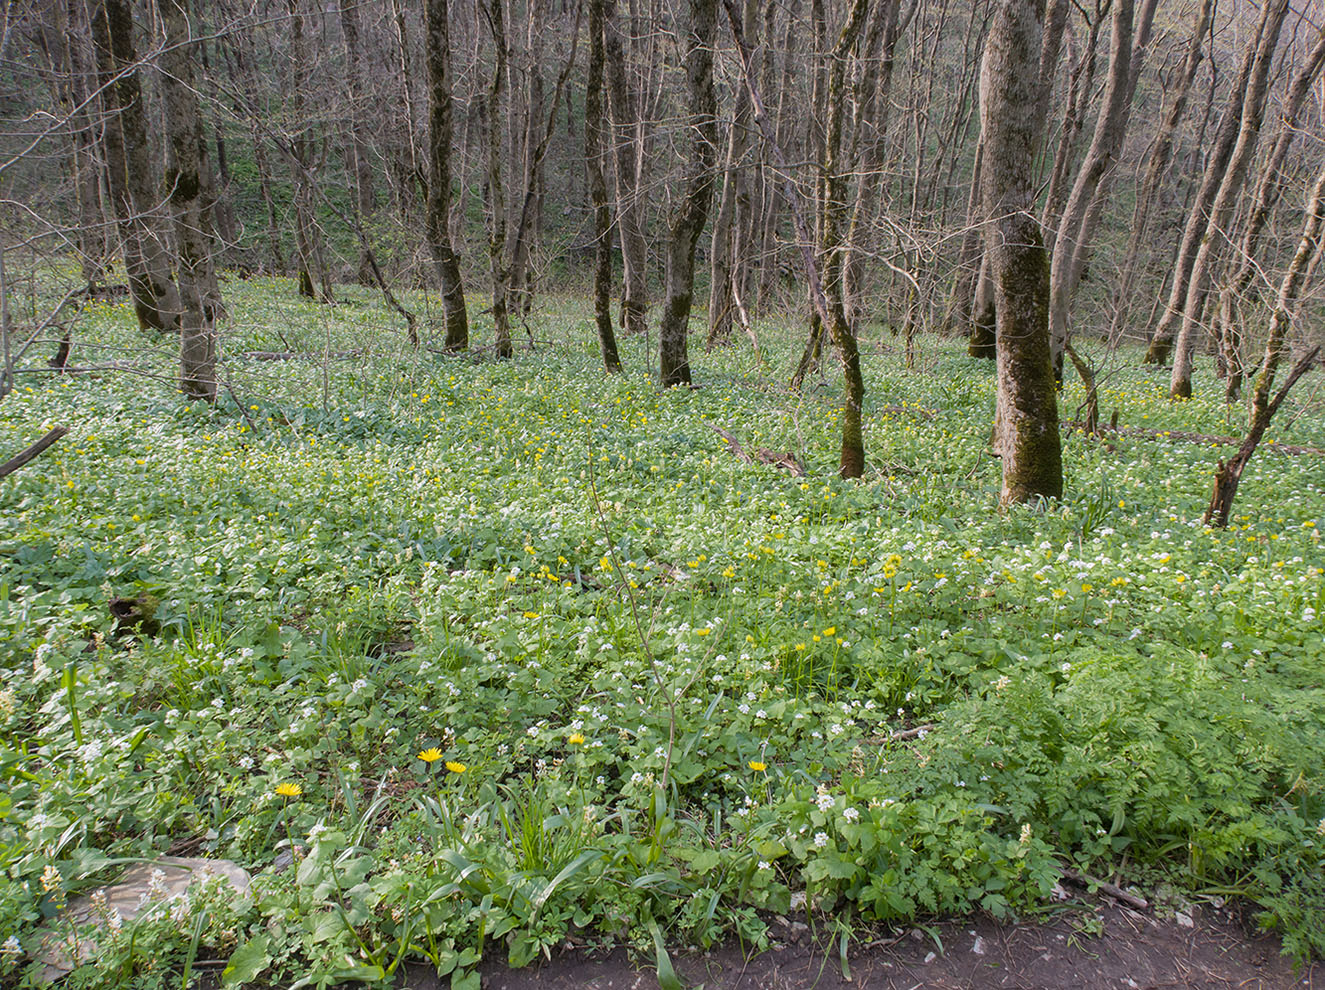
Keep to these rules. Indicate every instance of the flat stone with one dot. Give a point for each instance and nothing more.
(142, 887)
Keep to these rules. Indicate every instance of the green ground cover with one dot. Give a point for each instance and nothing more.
(659, 693)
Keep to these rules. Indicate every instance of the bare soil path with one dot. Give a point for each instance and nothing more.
(1133, 951)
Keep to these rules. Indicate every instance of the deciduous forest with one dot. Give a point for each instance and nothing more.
(488, 479)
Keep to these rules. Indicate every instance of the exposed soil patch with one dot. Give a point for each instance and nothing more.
(1134, 952)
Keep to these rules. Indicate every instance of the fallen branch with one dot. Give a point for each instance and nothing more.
(783, 459)
(901, 735)
(913, 733)
(294, 355)
(18, 460)
(1136, 431)
(1092, 393)
(1104, 887)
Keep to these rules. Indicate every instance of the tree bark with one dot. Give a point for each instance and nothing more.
(197, 335)
(445, 262)
(727, 258)
(688, 220)
(496, 185)
(1263, 407)
(1076, 227)
(360, 168)
(1026, 424)
(875, 103)
(628, 141)
(1157, 161)
(597, 181)
(1269, 188)
(146, 261)
(1221, 150)
(1226, 199)
(852, 462)
(1080, 80)
(314, 276)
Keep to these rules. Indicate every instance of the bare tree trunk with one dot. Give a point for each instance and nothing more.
(1026, 423)
(1267, 194)
(1076, 228)
(197, 337)
(602, 210)
(146, 261)
(239, 67)
(688, 220)
(415, 180)
(727, 253)
(852, 464)
(76, 83)
(628, 141)
(875, 103)
(1221, 150)
(832, 242)
(1080, 80)
(984, 316)
(314, 279)
(360, 166)
(496, 185)
(970, 259)
(1157, 164)
(1281, 319)
(444, 257)
(1225, 200)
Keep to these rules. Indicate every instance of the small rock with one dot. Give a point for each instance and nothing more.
(143, 886)
(1185, 920)
(930, 958)
(979, 946)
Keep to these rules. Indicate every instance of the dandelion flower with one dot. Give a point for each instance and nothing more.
(456, 767)
(430, 755)
(757, 766)
(576, 738)
(288, 790)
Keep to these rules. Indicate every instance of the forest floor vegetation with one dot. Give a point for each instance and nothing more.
(464, 660)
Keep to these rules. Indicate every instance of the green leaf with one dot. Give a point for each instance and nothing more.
(667, 978)
(568, 871)
(247, 962)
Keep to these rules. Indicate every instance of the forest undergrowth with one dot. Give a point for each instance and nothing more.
(511, 655)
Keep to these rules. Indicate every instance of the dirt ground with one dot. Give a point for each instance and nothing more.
(1201, 948)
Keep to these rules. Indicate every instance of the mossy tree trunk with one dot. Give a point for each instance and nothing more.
(196, 332)
(688, 220)
(1027, 436)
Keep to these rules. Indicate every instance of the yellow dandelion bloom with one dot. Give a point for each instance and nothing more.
(831, 631)
(456, 767)
(576, 738)
(430, 755)
(288, 790)
(757, 766)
